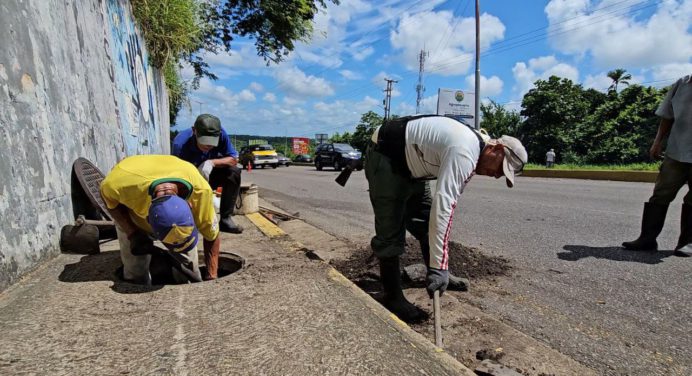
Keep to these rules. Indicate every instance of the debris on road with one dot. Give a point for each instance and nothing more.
(492, 368)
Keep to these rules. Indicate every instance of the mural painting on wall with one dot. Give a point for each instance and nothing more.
(137, 111)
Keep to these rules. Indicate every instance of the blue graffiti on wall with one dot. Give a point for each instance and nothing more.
(134, 79)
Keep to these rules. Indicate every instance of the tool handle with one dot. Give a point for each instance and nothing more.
(438, 321)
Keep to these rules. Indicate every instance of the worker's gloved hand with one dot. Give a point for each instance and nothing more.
(141, 244)
(436, 280)
(205, 169)
(358, 164)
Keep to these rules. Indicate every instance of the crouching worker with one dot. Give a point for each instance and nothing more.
(207, 146)
(405, 154)
(164, 198)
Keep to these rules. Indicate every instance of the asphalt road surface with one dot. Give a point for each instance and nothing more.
(573, 287)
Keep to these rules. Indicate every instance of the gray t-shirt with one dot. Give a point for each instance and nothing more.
(677, 105)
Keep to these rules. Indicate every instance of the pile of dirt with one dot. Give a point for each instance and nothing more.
(362, 267)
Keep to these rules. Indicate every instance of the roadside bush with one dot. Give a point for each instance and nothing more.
(171, 30)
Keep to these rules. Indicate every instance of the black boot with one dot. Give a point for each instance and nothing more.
(394, 299)
(455, 283)
(684, 247)
(652, 223)
(229, 196)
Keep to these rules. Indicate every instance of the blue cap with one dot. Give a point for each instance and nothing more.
(171, 219)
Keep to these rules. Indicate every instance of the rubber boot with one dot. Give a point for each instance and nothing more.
(229, 196)
(394, 299)
(455, 283)
(684, 247)
(652, 223)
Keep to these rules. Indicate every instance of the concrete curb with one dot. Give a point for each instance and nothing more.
(630, 176)
(415, 339)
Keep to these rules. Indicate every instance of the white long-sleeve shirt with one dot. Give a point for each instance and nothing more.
(442, 148)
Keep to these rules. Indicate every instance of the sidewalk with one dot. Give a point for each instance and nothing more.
(282, 314)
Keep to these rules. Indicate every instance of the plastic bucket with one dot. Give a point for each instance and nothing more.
(248, 200)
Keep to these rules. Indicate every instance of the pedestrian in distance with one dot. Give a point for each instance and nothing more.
(675, 112)
(164, 198)
(404, 155)
(207, 146)
(550, 158)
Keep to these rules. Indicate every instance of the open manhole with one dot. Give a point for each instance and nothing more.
(161, 274)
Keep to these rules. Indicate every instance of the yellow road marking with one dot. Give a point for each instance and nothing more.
(268, 228)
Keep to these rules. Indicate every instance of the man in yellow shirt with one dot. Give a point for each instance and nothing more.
(166, 198)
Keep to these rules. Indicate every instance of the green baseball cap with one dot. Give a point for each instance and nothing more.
(208, 129)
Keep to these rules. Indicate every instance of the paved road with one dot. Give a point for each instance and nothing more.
(573, 287)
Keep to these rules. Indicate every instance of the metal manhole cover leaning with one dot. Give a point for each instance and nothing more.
(84, 236)
(90, 178)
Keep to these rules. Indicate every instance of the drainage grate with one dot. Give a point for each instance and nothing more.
(90, 177)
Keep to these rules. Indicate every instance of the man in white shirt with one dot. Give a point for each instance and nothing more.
(405, 154)
(550, 158)
(675, 126)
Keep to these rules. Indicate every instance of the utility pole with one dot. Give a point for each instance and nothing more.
(476, 116)
(200, 104)
(420, 88)
(388, 97)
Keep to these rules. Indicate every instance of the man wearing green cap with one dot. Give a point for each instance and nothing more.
(207, 146)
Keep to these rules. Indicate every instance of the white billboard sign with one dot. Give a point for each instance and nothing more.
(455, 103)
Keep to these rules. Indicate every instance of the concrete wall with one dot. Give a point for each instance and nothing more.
(74, 82)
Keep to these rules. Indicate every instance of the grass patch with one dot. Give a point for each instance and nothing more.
(171, 30)
(625, 167)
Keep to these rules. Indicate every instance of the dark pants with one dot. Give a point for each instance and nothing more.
(228, 178)
(399, 203)
(672, 176)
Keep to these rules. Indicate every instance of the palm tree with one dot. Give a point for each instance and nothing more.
(619, 76)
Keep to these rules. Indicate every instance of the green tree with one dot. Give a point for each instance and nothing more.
(621, 129)
(341, 138)
(185, 30)
(619, 76)
(498, 121)
(275, 25)
(369, 121)
(552, 110)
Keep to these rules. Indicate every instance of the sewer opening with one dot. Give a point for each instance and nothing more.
(162, 271)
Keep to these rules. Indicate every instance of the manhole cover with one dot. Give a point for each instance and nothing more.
(90, 177)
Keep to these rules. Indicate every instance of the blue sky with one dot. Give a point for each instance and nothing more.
(327, 83)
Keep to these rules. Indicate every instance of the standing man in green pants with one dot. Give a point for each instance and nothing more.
(405, 154)
(676, 125)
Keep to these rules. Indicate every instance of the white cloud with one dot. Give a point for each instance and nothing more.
(449, 40)
(243, 60)
(295, 82)
(671, 72)
(350, 75)
(270, 97)
(540, 68)
(362, 54)
(615, 35)
(247, 96)
(489, 86)
(600, 82)
(256, 87)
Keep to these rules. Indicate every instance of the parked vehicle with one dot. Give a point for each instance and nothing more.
(259, 155)
(304, 158)
(335, 155)
(283, 161)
